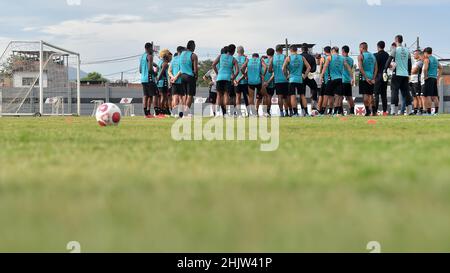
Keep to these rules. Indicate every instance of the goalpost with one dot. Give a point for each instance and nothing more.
(38, 78)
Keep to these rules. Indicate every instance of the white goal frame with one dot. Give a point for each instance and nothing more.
(42, 63)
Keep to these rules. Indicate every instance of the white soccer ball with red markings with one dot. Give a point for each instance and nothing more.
(108, 114)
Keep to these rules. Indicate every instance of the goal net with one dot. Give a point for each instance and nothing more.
(37, 78)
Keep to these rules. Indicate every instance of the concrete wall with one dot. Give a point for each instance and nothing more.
(115, 94)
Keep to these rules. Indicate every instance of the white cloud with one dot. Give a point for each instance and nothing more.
(105, 28)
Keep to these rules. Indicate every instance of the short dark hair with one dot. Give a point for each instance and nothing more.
(336, 49)
(346, 49)
(231, 49)
(149, 47)
(381, 44)
(270, 52)
(399, 38)
(364, 45)
(181, 49)
(293, 48)
(255, 55)
(428, 50)
(190, 45)
(305, 47)
(327, 49)
(224, 50)
(279, 48)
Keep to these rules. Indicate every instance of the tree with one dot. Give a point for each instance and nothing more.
(203, 67)
(94, 77)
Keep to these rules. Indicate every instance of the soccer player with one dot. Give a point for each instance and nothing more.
(281, 83)
(189, 73)
(348, 80)
(415, 84)
(292, 69)
(334, 63)
(324, 79)
(400, 77)
(163, 83)
(309, 79)
(225, 75)
(178, 97)
(380, 88)
(432, 71)
(368, 72)
(148, 79)
(211, 76)
(269, 80)
(254, 69)
(241, 82)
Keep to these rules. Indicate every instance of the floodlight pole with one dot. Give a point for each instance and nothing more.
(41, 76)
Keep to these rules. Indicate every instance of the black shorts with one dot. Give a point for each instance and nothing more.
(312, 84)
(322, 89)
(365, 88)
(149, 89)
(296, 89)
(431, 88)
(347, 90)
(177, 89)
(270, 91)
(189, 84)
(232, 91)
(241, 88)
(223, 86)
(415, 89)
(163, 90)
(212, 98)
(255, 86)
(334, 87)
(282, 89)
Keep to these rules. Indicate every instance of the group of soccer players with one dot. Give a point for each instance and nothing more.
(256, 79)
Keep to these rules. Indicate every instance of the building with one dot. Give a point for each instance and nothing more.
(25, 67)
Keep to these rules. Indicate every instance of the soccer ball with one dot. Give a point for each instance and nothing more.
(108, 114)
(314, 113)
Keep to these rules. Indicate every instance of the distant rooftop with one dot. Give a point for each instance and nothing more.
(310, 46)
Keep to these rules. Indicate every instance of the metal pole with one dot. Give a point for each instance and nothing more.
(287, 48)
(441, 96)
(41, 78)
(78, 86)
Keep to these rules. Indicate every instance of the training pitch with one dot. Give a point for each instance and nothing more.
(334, 184)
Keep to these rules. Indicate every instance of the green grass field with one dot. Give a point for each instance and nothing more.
(333, 185)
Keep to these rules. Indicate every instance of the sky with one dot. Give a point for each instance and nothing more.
(105, 29)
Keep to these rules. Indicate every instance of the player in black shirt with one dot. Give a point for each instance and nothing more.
(381, 85)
